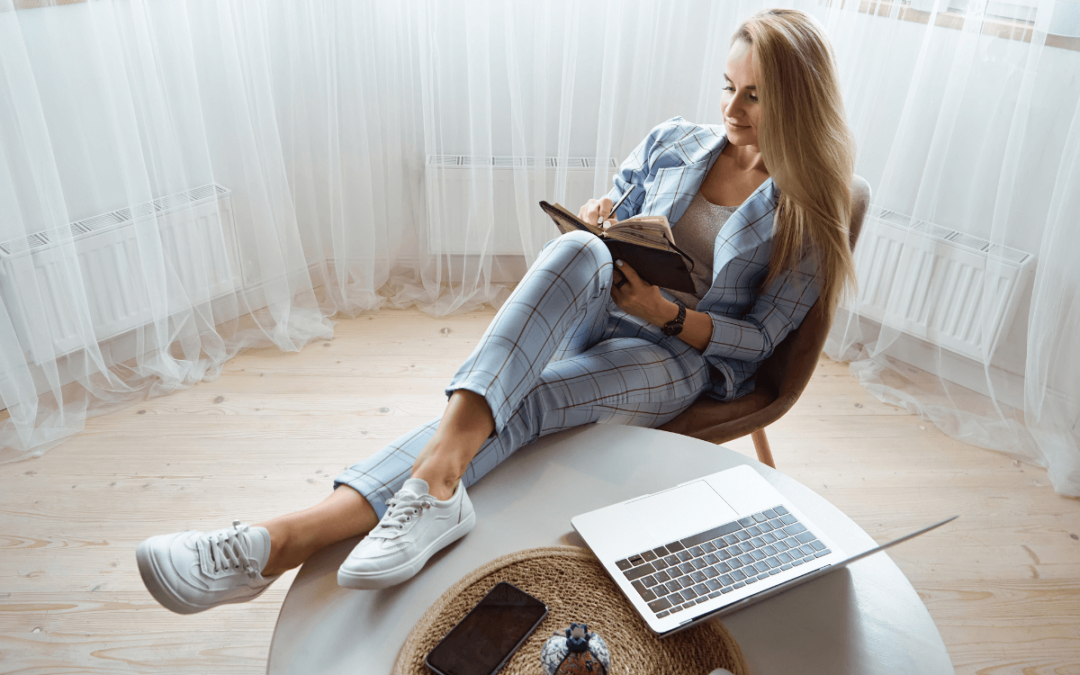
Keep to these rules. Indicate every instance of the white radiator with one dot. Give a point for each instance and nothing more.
(449, 179)
(952, 289)
(198, 244)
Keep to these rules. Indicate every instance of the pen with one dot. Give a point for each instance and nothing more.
(617, 204)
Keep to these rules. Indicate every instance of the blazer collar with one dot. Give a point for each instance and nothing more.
(700, 148)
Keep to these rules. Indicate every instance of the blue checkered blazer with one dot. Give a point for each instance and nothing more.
(666, 170)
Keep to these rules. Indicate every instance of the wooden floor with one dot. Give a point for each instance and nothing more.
(1002, 582)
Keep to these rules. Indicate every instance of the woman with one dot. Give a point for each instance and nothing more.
(761, 203)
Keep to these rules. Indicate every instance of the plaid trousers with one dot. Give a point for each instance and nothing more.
(558, 354)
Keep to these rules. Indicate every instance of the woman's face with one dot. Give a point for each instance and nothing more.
(742, 110)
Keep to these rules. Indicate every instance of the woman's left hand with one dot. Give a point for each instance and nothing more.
(639, 298)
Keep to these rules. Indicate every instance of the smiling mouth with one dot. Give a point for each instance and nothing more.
(738, 126)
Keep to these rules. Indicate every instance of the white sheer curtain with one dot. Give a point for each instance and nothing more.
(968, 121)
(238, 173)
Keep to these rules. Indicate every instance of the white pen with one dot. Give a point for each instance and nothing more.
(616, 205)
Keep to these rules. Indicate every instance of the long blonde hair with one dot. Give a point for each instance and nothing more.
(806, 145)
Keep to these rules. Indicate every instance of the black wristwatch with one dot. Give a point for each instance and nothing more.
(674, 327)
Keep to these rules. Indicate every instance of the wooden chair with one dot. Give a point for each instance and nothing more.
(780, 379)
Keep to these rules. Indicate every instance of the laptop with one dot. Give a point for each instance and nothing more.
(711, 546)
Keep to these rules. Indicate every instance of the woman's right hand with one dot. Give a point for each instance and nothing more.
(594, 210)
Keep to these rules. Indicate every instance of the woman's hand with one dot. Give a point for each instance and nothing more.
(640, 298)
(594, 210)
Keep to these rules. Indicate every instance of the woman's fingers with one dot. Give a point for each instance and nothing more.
(595, 211)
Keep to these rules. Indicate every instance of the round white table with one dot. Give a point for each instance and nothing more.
(863, 619)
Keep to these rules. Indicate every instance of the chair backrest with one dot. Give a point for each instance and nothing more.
(788, 370)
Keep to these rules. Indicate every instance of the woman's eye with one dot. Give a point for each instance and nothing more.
(753, 98)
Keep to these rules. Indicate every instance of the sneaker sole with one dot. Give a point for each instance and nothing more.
(396, 575)
(148, 570)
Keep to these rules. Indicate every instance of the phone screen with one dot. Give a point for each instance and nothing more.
(488, 634)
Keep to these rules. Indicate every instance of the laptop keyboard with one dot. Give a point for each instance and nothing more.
(708, 564)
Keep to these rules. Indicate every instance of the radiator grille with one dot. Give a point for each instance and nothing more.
(953, 289)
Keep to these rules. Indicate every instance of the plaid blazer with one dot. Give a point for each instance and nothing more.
(665, 172)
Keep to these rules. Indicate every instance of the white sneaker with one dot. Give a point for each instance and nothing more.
(189, 572)
(414, 528)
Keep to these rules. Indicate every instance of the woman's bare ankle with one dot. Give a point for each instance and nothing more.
(280, 549)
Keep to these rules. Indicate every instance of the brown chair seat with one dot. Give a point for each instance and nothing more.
(780, 379)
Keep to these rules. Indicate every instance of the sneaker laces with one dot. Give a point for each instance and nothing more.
(231, 550)
(401, 509)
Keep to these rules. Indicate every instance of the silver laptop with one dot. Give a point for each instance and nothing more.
(711, 546)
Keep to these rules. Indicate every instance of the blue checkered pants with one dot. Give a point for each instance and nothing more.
(558, 354)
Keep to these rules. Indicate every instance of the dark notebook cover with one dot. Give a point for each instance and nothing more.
(668, 269)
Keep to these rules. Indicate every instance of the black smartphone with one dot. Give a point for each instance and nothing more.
(489, 634)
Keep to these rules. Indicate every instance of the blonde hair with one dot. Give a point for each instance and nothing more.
(806, 145)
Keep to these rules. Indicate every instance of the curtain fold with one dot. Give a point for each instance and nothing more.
(183, 179)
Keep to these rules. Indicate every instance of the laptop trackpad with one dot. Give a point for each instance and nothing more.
(681, 512)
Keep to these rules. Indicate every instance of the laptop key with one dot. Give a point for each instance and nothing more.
(647, 595)
(671, 560)
(713, 584)
(761, 566)
(758, 542)
(710, 572)
(805, 549)
(774, 571)
(649, 556)
(757, 555)
(659, 604)
(639, 571)
(760, 517)
(821, 553)
(708, 547)
(797, 562)
(662, 576)
(739, 584)
(746, 559)
(728, 589)
(676, 598)
(649, 581)
(711, 558)
(742, 535)
(701, 589)
(805, 537)
(765, 527)
(746, 522)
(695, 551)
(662, 614)
(769, 514)
(723, 555)
(714, 594)
(746, 546)
(768, 538)
(753, 530)
(659, 564)
(783, 557)
(699, 563)
(769, 550)
(763, 576)
(750, 580)
(684, 555)
(817, 545)
(672, 586)
(676, 609)
(785, 567)
(731, 540)
(780, 546)
(623, 564)
(788, 519)
(776, 523)
(689, 593)
(675, 547)
(698, 576)
(726, 580)
(795, 529)
(686, 568)
(737, 575)
(660, 551)
(686, 582)
(636, 560)
(780, 510)
(773, 562)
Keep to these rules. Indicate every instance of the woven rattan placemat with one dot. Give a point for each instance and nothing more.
(574, 586)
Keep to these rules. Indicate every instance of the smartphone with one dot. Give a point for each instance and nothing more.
(489, 634)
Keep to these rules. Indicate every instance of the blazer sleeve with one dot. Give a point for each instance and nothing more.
(778, 310)
(638, 168)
